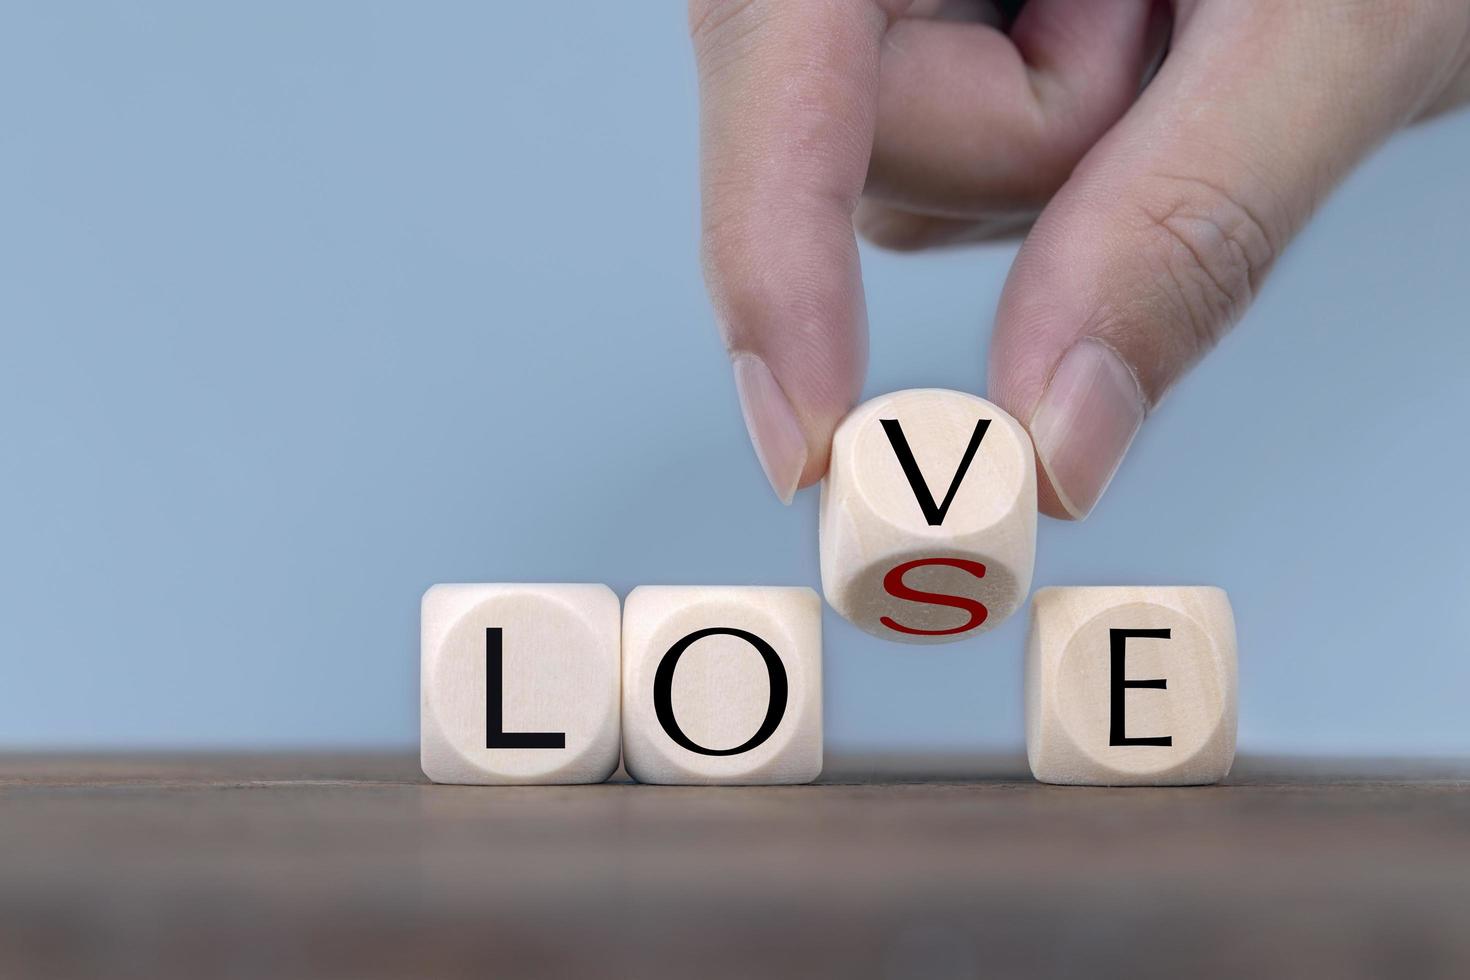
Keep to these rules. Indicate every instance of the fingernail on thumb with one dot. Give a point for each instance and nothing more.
(1085, 422)
(780, 444)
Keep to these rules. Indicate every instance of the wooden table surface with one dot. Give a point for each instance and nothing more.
(353, 866)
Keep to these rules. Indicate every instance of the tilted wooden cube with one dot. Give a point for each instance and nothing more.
(722, 685)
(928, 516)
(520, 684)
(1131, 686)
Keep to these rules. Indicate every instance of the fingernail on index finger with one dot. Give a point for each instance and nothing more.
(779, 442)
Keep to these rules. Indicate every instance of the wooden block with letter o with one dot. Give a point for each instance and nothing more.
(1131, 686)
(519, 684)
(928, 522)
(722, 684)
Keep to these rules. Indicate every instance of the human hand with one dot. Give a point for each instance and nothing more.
(1161, 208)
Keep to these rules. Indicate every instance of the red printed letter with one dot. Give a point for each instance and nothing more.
(893, 585)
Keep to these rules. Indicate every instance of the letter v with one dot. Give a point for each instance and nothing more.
(934, 515)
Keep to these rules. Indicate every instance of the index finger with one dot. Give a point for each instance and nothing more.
(788, 101)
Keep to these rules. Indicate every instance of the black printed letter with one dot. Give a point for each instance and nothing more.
(495, 736)
(1118, 642)
(663, 690)
(934, 515)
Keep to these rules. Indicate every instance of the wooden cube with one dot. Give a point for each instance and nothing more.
(928, 517)
(722, 685)
(1131, 686)
(519, 684)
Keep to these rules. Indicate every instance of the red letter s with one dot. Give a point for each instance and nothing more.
(893, 585)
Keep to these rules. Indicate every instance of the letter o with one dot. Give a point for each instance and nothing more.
(663, 690)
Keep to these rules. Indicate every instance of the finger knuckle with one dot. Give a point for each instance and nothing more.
(708, 18)
(1211, 252)
(757, 282)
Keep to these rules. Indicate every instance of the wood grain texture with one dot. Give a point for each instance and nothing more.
(556, 657)
(879, 515)
(1086, 722)
(356, 866)
(722, 693)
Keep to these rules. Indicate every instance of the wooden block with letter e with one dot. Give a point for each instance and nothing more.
(928, 522)
(519, 684)
(1131, 686)
(722, 684)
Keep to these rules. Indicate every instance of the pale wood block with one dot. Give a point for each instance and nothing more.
(928, 516)
(1131, 686)
(519, 684)
(722, 684)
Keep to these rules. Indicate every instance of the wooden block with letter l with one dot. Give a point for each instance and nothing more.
(1131, 686)
(928, 516)
(722, 685)
(519, 684)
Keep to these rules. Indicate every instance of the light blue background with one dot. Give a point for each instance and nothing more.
(306, 306)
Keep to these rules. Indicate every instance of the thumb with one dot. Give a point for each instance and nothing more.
(1163, 234)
